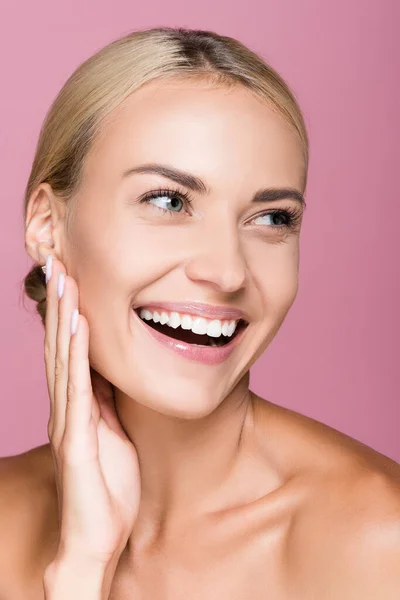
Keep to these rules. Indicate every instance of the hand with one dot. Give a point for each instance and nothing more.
(96, 465)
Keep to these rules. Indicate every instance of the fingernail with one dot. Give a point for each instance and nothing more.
(74, 321)
(49, 262)
(60, 284)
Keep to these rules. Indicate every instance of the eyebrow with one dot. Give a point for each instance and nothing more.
(197, 185)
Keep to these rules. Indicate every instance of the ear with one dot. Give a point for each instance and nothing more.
(44, 224)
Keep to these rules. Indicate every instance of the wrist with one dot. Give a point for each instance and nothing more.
(76, 578)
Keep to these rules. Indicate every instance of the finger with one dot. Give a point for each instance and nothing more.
(80, 429)
(67, 292)
(53, 268)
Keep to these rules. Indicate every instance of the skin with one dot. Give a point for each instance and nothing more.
(240, 498)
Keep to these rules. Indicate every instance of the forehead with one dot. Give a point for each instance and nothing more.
(212, 131)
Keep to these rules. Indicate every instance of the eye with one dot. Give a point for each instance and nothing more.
(167, 200)
(274, 217)
(283, 219)
(171, 201)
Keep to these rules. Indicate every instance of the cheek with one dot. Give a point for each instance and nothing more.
(112, 262)
(275, 271)
(145, 252)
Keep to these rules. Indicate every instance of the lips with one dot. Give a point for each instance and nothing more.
(206, 355)
(188, 336)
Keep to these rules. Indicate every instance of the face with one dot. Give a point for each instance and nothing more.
(187, 246)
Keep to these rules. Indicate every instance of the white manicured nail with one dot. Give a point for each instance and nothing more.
(49, 262)
(74, 321)
(60, 284)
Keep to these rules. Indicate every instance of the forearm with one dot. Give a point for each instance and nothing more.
(69, 579)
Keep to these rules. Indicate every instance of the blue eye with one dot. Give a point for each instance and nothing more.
(171, 201)
(276, 214)
(167, 200)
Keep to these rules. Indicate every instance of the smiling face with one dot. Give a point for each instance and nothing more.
(219, 249)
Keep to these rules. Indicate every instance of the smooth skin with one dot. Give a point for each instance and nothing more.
(98, 503)
(183, 483)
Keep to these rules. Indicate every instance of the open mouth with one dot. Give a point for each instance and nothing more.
(188, 336)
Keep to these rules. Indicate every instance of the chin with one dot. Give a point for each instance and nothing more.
(174, 396)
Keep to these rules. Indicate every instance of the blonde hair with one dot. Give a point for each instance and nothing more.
(105, 79)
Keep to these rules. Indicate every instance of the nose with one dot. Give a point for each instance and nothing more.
(217, 259)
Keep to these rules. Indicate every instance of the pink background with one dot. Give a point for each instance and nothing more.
(335, 357)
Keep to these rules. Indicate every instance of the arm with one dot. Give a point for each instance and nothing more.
(72, 578)
(372, 555)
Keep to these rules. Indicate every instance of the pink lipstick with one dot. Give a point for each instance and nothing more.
(208, 355)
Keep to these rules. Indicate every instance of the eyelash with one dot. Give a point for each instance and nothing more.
(291, 216)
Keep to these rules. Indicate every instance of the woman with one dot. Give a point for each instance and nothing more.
(165, 203)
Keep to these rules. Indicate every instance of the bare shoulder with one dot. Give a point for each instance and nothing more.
(307, 445)
(348, 534)
(345, 533)
(28, 522)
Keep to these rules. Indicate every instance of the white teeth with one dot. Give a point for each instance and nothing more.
(174, 320)
(164, 318)
(186, 322)
(146, 314)
(199, 325)
(214, 328)
(231, 328)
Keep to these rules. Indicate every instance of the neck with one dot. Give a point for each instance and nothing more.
(184, 464)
